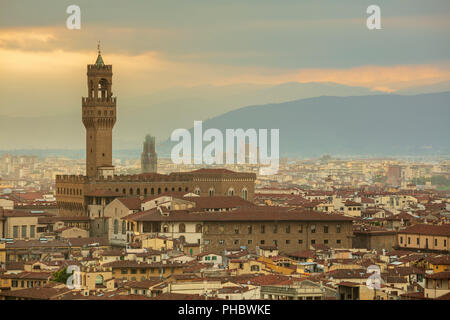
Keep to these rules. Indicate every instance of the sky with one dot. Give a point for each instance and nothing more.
(170, 49)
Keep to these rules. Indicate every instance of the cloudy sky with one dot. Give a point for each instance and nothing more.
(164, 46)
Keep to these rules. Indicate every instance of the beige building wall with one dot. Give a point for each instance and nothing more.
(416, 241)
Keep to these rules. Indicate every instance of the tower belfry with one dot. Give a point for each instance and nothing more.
(99, 117)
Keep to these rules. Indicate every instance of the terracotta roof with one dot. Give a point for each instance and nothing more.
(19, 213)
(132, 203)
(40, 293)
(142, 265)
(439, 275)
(181, 296)
(219, 202)
(243, 214)
(439, 260)
(17, 244)
(427, 229)
(145, 284)
(79, 242)
(29, 275)
(302, 254)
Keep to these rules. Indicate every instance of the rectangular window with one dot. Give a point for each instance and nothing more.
(15, 231)
(401, 239)
(263, 228)
(236, 242)
(236, 230)
(325, 241)
(262, 242)
(300, 241)
(124, 271)
(313, 241)
(249, 241)
(275, 228)
(445, 243)
(325, 229)
(300, 229)
(409, 240)
(32, 231)
(288, 229)
(142, 271)
(313, 229)
(24, 231)
(275, 242)
(288, 241)
(221, 242)
(207, 242)
(338, 241)
(338, 228)
(250, 230)
(133, 271)
(435, 242)
(214, 257)
(418, 241)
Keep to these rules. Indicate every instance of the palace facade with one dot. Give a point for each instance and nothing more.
(100, 185)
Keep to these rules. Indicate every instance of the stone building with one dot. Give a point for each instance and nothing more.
(100, 185)
(287, 229)
(149, 158)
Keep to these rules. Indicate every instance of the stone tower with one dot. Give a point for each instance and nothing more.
(149, 157)
(99, 117)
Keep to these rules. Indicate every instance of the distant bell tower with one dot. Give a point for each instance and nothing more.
(99, 117)
(149, 157)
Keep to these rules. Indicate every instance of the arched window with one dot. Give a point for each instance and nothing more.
(138, 191)
(131, 191)
(198, 228)
(145, 191)
(159, 190)
(197, 191)
(152, 191)
(123, 191)
(165, 228)
(231, 192)
(99, 280)
(244, 194)
(124, 227)
(181, 228)
(211, 192)
(179, 189)
(116, 226)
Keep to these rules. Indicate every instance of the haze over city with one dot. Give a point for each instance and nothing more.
(224, 151)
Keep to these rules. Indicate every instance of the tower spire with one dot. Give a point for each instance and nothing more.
(99, 63)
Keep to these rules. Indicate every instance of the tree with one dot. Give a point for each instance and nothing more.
(61, 275)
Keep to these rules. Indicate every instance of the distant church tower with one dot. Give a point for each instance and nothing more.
(99, 117)
(149, 157)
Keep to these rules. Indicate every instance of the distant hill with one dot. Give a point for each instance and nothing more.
(373, 125)
(156, 113)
